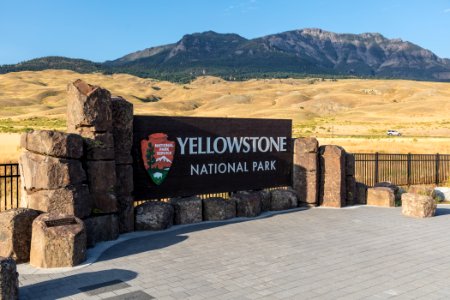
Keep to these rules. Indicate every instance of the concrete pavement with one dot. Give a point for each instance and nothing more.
(351, 253)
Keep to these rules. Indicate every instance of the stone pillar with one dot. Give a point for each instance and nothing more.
(305, 173)
(15, 233)
(350, 182)
(9, 279)
(53, 179)
(332, 176)
(122, 114)
(90, 115)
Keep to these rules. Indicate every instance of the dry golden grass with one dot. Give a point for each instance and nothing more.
(10, 147)
(391, 145)
(353, 108)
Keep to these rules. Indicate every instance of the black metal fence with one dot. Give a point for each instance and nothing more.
(9, 186)
(402, 169)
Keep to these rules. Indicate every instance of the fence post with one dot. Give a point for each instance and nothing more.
(437, 169)
(408, 168)
(376, 168)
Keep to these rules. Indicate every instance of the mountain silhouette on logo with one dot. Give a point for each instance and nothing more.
(163, 159)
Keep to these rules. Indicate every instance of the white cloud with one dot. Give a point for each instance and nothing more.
(446, 11)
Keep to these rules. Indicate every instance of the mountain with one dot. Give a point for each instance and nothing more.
(297, 53)
(54, 62)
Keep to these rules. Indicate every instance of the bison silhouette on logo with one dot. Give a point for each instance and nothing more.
(157, 154)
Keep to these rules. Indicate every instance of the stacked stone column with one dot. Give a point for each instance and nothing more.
(106, 125)
(122, 113)
(305, 175)
(350, 182)
(332, 176)
(53, 179)
(89, 115)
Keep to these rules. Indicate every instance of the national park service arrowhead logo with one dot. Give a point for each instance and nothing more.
(157, 154)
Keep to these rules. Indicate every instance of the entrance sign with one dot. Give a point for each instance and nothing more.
(184, 156)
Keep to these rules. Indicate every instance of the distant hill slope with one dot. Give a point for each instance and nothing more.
(297, 53)
(54, 62)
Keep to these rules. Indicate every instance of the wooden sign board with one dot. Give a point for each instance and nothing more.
(185, 156)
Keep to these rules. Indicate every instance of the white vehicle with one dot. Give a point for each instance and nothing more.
(393, 132)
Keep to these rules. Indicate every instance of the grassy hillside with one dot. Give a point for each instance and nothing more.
(350, 109)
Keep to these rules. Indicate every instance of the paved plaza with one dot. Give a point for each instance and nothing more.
(351, 253)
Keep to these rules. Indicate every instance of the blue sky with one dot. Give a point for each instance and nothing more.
(103, 30)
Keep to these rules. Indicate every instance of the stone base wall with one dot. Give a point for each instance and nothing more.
(159, 215)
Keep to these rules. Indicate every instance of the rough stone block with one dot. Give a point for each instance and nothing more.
(89, 106)
(380, 196)
(102, 184)
(418, 206)
(266, 199)
(332, 176)
(124, 179)
(15, 233)
(441, 193)
(57, 241)
(53, 143)
(126, 214)
(42, 172)
(122, 114)
(306, 145)
(100, 228)
(349, 164)
(263, 194)
(9, 279)
(72, 200)
(350, 189)
(101, 176)
(218, 209)
(248, 204)
(305, 185)
(98, 146)
(105, 202)
(306, 162)
(153, 215)
(187, 210)
(283, 199)
(361, 193)
(397, 190)
(426, 190)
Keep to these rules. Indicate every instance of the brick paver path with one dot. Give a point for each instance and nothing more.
(352, 253)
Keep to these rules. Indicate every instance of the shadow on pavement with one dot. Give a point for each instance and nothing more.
(441, 211)
(163, 239)
(70, 285)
